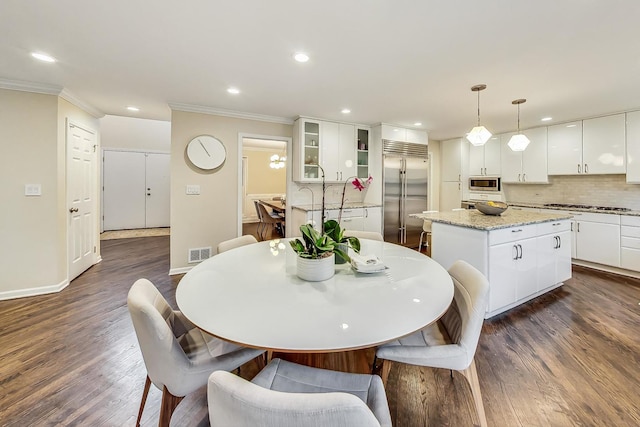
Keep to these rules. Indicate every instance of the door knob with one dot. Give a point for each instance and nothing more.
(72, 210)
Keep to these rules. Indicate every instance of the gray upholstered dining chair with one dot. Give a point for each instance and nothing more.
(371, 235)
(286, 394)
(227, 245)
(178, 356)
(268, 218)
(452, 342)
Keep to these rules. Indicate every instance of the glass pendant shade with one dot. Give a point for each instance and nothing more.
(518, 142)
(479, 135)
(277, 162)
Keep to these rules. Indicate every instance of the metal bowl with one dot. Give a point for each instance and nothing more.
(491, 208)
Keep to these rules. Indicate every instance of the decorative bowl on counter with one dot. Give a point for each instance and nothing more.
(491, 208)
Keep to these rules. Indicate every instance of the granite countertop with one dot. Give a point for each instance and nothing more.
(472, 218)
(327, 206)
(557, 208)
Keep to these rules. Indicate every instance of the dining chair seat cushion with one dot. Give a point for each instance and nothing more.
(289, 395)
(280, 375)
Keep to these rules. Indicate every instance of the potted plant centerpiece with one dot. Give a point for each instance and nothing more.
(318, 251)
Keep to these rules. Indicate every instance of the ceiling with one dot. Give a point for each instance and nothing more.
(392, 61)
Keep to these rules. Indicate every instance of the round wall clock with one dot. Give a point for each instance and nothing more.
(206, 152)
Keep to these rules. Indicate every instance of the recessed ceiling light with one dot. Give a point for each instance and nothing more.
(43, 57)
(571, 126)
(345, 111)
(131, 108)
(301, 57)
(233, 90)
(417, 124)
(546, 119)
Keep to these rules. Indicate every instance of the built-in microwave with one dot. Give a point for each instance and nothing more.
(484, 183)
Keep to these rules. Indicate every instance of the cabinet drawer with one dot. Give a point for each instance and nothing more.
(511, 234)
(630, 259)
(629, 242)
(553, 227)
(596, 217)
(346, 213)
(630, 220)
(627, 231)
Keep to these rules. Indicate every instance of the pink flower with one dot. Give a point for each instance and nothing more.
(358, 184)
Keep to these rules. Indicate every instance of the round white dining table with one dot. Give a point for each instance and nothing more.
(251, 296)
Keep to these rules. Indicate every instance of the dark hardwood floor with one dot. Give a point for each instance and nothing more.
(568, 358)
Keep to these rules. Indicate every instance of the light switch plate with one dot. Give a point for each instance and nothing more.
(33, 190)
(193, 189)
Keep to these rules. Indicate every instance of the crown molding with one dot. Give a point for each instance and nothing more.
(22, 86)
(65, 94)
(189, 108)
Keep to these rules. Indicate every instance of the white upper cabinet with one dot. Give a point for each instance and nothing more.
(485, 159)
(530, 165)
(338, 150)
(328, 144)
(603, 145)
(451, 160)
(395, 133)
(633, 147)
(564, 148)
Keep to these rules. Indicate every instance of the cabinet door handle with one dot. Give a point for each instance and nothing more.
(516, 248)
(516, 231)
(559, 242)
(586, 168)
(518, 177)
(578, 224)
(555, 239)
(555, 224)
(459, 186)
(520, 256)
(579, 170)
(572, 226)
(524, 177)
(459, 178)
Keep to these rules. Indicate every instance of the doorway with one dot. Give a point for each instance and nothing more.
(81, 198)
(136, 188)
(264, 174)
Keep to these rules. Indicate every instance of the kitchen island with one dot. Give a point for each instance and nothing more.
(523, 254)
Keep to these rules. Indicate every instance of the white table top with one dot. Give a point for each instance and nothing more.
(252, 296)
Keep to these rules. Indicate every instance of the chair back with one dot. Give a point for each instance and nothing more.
(237, 402)
(371, 235)
(227, 245)
(464, 318)
(266, 217)
(156, 326)
(256, 203)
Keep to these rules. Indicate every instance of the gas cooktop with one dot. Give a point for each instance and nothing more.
(599, 208)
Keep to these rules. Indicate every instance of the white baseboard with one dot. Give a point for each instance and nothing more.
(42, 290)
(180, 270)
(607, 268)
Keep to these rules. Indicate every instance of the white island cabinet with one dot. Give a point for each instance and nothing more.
(523, 254)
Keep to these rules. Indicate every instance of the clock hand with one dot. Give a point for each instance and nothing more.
(204, 148)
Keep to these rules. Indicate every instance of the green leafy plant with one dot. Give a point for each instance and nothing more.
(319, 245)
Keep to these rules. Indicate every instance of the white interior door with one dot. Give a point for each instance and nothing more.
(157, 190)
(124, 181)
(81, 183)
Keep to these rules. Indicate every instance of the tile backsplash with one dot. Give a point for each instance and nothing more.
(595, 190)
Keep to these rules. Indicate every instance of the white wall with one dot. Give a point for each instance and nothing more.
(131, 133)
(211, 217)
(33, 230)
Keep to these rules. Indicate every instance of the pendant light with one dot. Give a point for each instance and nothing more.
(479, 135)
(518, 142)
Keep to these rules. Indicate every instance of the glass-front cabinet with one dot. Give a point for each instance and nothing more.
(363, 152)
(307, 141)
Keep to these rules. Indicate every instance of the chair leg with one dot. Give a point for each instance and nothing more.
(420, 244)
(471, 374)
(386, 368)
(169, 403)
(145, 393)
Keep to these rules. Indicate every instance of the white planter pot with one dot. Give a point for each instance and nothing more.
(315, 270)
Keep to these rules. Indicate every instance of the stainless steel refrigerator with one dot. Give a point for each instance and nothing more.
(406, 175)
